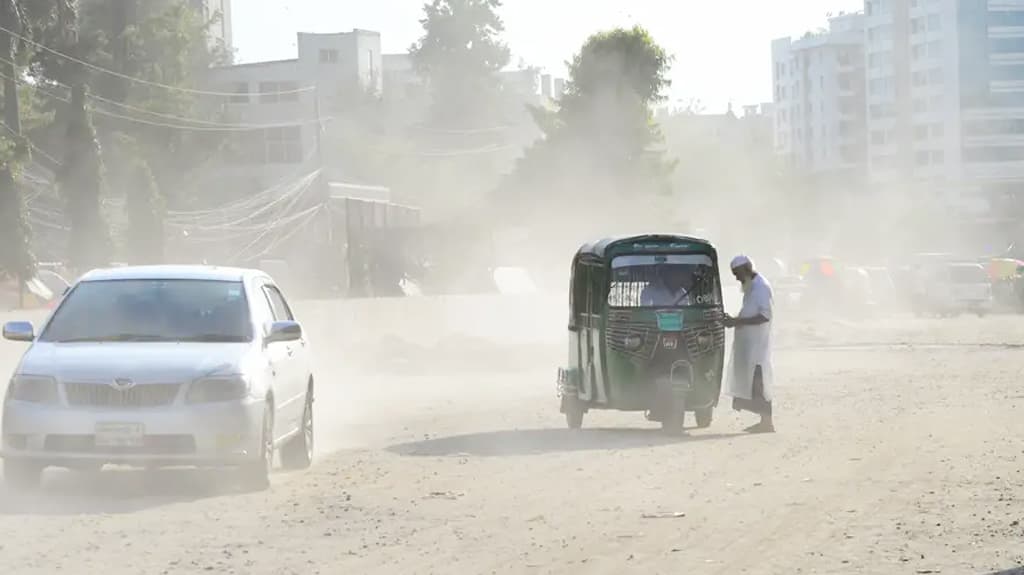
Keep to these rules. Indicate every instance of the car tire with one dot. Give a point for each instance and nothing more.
(298, 452)
(23, 475)
(255, 476)
(704, 417)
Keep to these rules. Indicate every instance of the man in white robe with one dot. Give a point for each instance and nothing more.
(750, 373)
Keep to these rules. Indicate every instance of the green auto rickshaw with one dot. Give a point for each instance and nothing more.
(646, 330)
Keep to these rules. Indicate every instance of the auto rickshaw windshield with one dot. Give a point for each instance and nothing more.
(646, 281)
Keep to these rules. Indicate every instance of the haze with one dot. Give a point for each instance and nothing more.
(544, 33)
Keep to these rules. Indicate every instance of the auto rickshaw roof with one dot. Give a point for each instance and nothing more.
(601, 248)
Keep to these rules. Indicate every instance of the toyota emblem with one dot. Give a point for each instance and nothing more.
(122, 384)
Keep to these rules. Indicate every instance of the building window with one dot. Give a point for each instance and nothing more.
(284, 145)
(328, 56)
(934, 23)
(241, 93)
(278, 145)
(274, 92)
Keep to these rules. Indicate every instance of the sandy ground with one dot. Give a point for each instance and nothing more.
(442, 451)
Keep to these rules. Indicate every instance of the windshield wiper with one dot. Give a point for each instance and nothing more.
(121, 337)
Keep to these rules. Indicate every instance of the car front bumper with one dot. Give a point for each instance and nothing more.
(200, 435)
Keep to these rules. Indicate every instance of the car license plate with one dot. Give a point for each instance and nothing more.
(120, 435)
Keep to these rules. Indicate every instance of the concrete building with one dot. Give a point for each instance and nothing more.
(819, 106)
(290, 95)
(220, 32)
(946, 99)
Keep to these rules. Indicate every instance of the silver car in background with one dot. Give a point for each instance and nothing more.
(161, 366)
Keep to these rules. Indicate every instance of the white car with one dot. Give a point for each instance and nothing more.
(958, 288)
(161, 366)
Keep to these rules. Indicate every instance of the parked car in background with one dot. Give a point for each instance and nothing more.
(161, 366)
(956, 288)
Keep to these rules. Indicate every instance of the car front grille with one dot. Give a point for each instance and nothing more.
(152, 445)
(103, 395)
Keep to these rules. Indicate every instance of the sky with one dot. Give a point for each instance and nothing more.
(722, 48)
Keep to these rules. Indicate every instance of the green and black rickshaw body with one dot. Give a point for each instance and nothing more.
(630, 352)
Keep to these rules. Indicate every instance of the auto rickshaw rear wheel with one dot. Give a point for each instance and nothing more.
(704, 417)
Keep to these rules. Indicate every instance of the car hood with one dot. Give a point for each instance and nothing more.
(141, 362)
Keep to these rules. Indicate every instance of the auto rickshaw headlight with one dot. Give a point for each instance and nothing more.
(633, 342)
(705, 340)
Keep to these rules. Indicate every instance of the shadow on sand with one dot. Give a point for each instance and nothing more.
(541, 441)
(115, 491)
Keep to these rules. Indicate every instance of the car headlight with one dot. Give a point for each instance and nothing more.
(218, 389)
(33, 388)
(632, 342)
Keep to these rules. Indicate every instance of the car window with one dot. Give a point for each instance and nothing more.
(153, 310)
(281, 310)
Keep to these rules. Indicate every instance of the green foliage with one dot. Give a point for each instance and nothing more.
(16, 257)
(163, 41)
(602, 141)
(460, 55)
(81, 183)
(144, 206)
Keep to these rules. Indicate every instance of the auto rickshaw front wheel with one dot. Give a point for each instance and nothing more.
(704, 417)
(574, 411)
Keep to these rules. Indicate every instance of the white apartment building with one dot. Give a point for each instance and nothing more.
(290, 96)
(220, 32)
(946, 99)
(819, 103)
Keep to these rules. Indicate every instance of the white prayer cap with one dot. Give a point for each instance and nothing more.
(740, 261)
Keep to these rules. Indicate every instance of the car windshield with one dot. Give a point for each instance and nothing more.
(663, 281)
(152, 310)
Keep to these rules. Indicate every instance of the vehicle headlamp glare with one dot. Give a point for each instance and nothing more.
(633, 342)
(218, 389)
(705, 340)
(33, 388)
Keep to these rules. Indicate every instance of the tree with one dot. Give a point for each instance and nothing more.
(144, 205)
(162, 41)
(81, 177)
(16, 258)
(460, 55)
(601, 145)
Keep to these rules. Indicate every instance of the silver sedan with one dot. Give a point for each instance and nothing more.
(161, 366)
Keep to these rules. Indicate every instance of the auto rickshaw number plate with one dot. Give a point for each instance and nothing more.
(670, 321)
(670, 342)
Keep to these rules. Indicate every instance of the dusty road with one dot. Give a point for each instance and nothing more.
(899, 451)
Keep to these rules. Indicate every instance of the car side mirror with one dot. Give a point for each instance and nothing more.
(283, 331)
(19, 331)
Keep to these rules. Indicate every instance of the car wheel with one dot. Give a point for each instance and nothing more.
(704, 417)
(256, 475)
(22, 475)
(298, 452)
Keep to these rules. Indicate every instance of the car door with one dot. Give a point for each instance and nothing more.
(294, 374)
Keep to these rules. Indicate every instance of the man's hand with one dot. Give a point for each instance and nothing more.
(729, 321)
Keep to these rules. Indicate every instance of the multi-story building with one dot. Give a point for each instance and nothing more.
(218, 12)
(294, 99)
(946, 99)
(819, 103)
